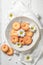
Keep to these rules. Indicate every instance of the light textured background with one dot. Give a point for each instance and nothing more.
(37, 6)
(8, 6)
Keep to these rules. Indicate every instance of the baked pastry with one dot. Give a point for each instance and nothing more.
(21, 41)
(29, 33)
(16, 25)
(28, 40)
(24, 26)
(4, 48)
(14, 39)
(10, 51)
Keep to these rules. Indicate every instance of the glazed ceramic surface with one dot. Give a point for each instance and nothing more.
(35, 37)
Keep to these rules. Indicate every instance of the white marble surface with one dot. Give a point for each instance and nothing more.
(8, 7)
(37, 7)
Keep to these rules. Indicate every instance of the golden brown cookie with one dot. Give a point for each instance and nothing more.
(24, 26)
(14, 39)
(13, 32)
(29, 33)
(16, 25)
(4, 48)
(28, 40)
(10, 51)
(21, 41)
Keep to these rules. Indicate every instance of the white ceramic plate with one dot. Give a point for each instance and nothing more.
(35, 37)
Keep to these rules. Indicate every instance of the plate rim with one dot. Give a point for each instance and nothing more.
(34, 22)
